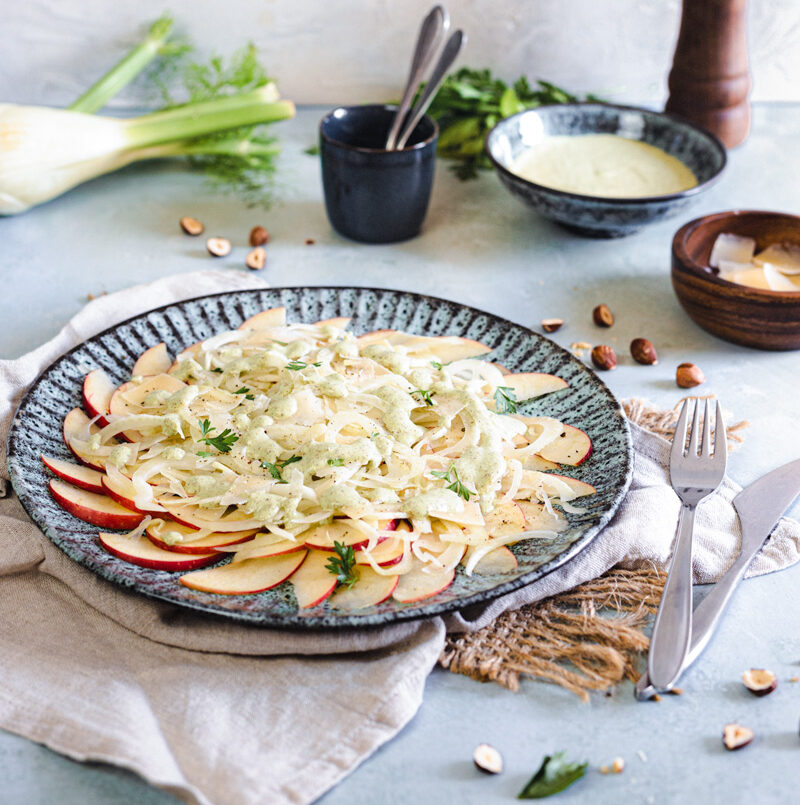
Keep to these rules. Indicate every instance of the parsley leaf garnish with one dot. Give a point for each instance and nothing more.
(274, 471)
(426, 395)
(242, 390)
(336, 462)
(290, 460)
(505, 400)
(554, 775)
(343, 565)
(451, 475)
(223, 441)
(296, 365)
(436, 365)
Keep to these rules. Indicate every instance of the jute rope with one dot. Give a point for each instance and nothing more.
(585, 639)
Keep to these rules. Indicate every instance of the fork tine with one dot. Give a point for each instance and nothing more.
(720, 437)
(679, 439)
(706, 449)
(694, 436)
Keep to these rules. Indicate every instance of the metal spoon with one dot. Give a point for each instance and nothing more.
(431, 32)
(451, 50)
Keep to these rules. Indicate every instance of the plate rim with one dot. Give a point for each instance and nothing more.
(350, 621)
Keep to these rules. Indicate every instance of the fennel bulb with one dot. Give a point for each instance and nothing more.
(44, 151)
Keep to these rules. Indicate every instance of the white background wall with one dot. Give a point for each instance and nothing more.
(335, 51)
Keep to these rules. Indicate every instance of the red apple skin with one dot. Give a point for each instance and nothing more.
(62, 469)
(127, 502)
(290, 568)
(78, 502)
(76, 412)
(192, 549)
(174, 562)
(96, 392)
(429, 594)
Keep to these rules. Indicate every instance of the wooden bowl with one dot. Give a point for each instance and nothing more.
(749, 316)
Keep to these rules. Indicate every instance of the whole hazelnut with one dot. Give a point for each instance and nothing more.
(603, 357)
(643, 351)
(688, 375)
(602, 316)
(258, 236)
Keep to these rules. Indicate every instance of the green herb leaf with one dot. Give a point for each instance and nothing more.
(312, 150)
(273, 471)
(217, 370)
(505, 400)
(426, 395)
(242, 390)
(554, 775)
(290, 460)
(203, 454)
(223, 441)
(343, 565)
(336, 462)
(296, 365)
(436, 365)
(455, 484)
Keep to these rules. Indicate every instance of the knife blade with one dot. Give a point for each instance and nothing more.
(760, 507)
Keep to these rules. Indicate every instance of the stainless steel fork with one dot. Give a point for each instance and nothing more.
(693, 477)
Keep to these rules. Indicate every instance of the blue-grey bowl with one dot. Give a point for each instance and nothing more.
(699, 150)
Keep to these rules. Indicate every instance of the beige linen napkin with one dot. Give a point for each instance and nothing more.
(220, 712)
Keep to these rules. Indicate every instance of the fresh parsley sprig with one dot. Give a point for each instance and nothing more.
(454, 482)
(222, 441)
(343, 565)
(505, 400)
(426, 395)
(275, 469)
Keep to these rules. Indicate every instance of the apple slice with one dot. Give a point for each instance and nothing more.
(244, 578)
(274, 317)
(470, 515)
(449, 348)
(97, 391)
(189, 515)
(121, 489)
(388, 552)
(153, 361)
(580, 488)
(155, 533)
(370, 590)
(92, 508)
(379, 337)
(340, 322)
(312, 581)
(537, 518)
(322, 537)
(528, 385)
(76, 425)
(539, 464)
(573, 447)
(422, 581)
(504, 520)
(128, 399)
(499, 560)
(262, 548)
(140, 551)
(76, 474)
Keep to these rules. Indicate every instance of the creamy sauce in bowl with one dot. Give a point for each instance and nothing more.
(604, 166)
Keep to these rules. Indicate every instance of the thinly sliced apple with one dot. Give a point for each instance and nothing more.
(421, 582)
(92, 508)
(580, 488)
(244, 578)
(540, 464)
(528, 385)
(499, 560)
(128, 399)
(75, 426)
(312, 581)
(388, 552)
(323, 537)
(140, 551)
(470, 515)
(153, 361)
(573, 447)
(444, 348)
(340, 322)
(504, 520)
(212, 542)
(370, 590)
(121, 489)
(537, 518)
(195, 517)
(97, 391)
(380, 337)
(274, 317)
(264, 548)
(76, 474)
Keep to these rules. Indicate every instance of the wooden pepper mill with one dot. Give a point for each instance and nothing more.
(709, 82)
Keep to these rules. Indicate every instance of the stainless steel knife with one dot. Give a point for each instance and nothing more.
(760, 506)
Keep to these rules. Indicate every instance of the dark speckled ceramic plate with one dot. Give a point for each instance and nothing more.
(587, 404)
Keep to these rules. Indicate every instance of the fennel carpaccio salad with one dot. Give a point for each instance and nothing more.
(358, 468)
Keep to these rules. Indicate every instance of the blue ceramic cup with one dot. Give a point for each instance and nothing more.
(373, 195)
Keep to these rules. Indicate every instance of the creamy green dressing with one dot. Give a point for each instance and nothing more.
(396, 414)
(120, 455)
(433, 501)
(387, 357)
(342, 496)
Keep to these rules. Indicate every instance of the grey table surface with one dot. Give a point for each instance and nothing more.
(483, 248)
